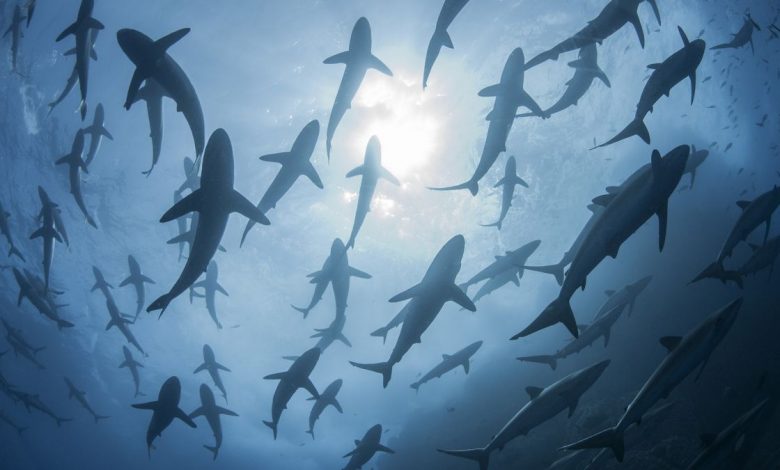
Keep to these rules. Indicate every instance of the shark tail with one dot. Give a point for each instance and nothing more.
(160, 304)
(381, 332)
(248, 227)
(549, 360)
(416, 386)
(554, 269)
(213, 449)
(304, 311)
(494, 224)
(481, 455)
(559, 311)
(611, 438)
(636, 127)
(14, 252)
(384, 368)
(271, 425)
(64, 324)
(716, 271)
(471, 185)
(311, 431)
(99, 417)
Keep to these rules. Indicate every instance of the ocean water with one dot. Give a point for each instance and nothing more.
(258, 71)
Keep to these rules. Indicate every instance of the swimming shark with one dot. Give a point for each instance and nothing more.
(507, 183)
(47, 233)
(448, 363)
(509, 95)
(164, 410)
(366, 448)
(510, 262)
(334, 332)
(358, 59)
(370, 171)
(695, 160)
(75, 166)
(625, 296)
(15, 29)
(742, 37)
(209, 410)
(101, 283)
(21, 346)
(121, 322)
(43, 304)
(34, 402)
(615, 15)
(763, 257)
(210, 287)
(30, 10)
(132, 365)
(213, 201)
(80, 397)
(545, 404)
(73, 78)
(326, 398)
(6, 231)
(81, 29)
(500, 280)
(96, 133)
(153, 93)
(297, 376)
(441, 38)
(674, 69)
(137, 280)
(685, 354)
(213, 367)
(427, 299)
(295, 163)
(628, 210)
(7, 420)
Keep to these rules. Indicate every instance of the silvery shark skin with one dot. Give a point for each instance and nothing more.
(132, 365)
(334, 332)
(20, 345)
(6, 231)
(545, 404)
(629, 209)
(96, 133)
(137, 280)
(213, 201)
(33, 402)
(588, 334)
(695, 160)
(625, 296)
(335, 271)
(741, 37)
(15, 29)
(39, 299)
(615, 15)
(74, 74)
(82, 29)
(763, 257)
(370, 171)
(80, 397)
(153, 63)
(441, 38)
(674, 69)
(153, 93)
(509, 96)
(685, 355)
(509, 262)
(210, 287)
(358, 59)
(295, 163)
(75, 166)
(754, 213)
(427, 299)
(164, 410)
(448, 363)
(586, 69)
(719, 447)
(48, 233)
(326, 398)
(121, 322)
(507, 183)
(297, 376)
(213, 367)
(366, 448)
(209, 410)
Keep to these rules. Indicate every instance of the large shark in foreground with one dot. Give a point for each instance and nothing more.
(326, 398)
(164, 410)
(295, 163)
(82, 30)
(441, 38)
(629, 209)
(450, 362)
(685, 354)
(509, 95)
(209, 410)
(358, 59)
(507, 184)
(297, 376)
(136, 279)
(366, 448)
(80, 397)
(132, 365)
(677, 67)
(370, 171)
(213, 367)
(545, 404)
(427, 299)
(742, 37)
(213, 201)
(75, 166)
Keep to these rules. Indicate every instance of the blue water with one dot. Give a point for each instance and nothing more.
(257, 68)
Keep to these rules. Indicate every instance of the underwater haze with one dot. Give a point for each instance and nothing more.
(253, 72)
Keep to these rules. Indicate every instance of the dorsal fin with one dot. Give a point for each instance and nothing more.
(670, 342)
(655, 162)
(685, 40)
(743, 204)
(533, 392)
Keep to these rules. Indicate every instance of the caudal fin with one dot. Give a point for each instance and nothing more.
(64, 324)
(609, 438)
(494, 224)
(471, 185)
(559, 311)
(555, 269)
(271, 425)
(384, 368)
(304, 311)
(214, 450)
(549, 360)
(481, 456)
(636, 127)
(416, 386)
(381, 332)
(160, 304)
(716, 271)
(311, 431)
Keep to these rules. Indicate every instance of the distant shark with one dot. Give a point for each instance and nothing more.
(326, 398)
(96, 133)
(366, 448)
(297, 376)
(132, 365)
(6, 231)
(153, 93)
(164, 410)
(209, 410)
(742, 37)
(507, 183)
(75, 166)
(15, 29)
(74, 75)
(47, 233)
(80, 397)
(213, 367)
(136, 279)
(210, 287)
(441, 38)
(448, 363)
